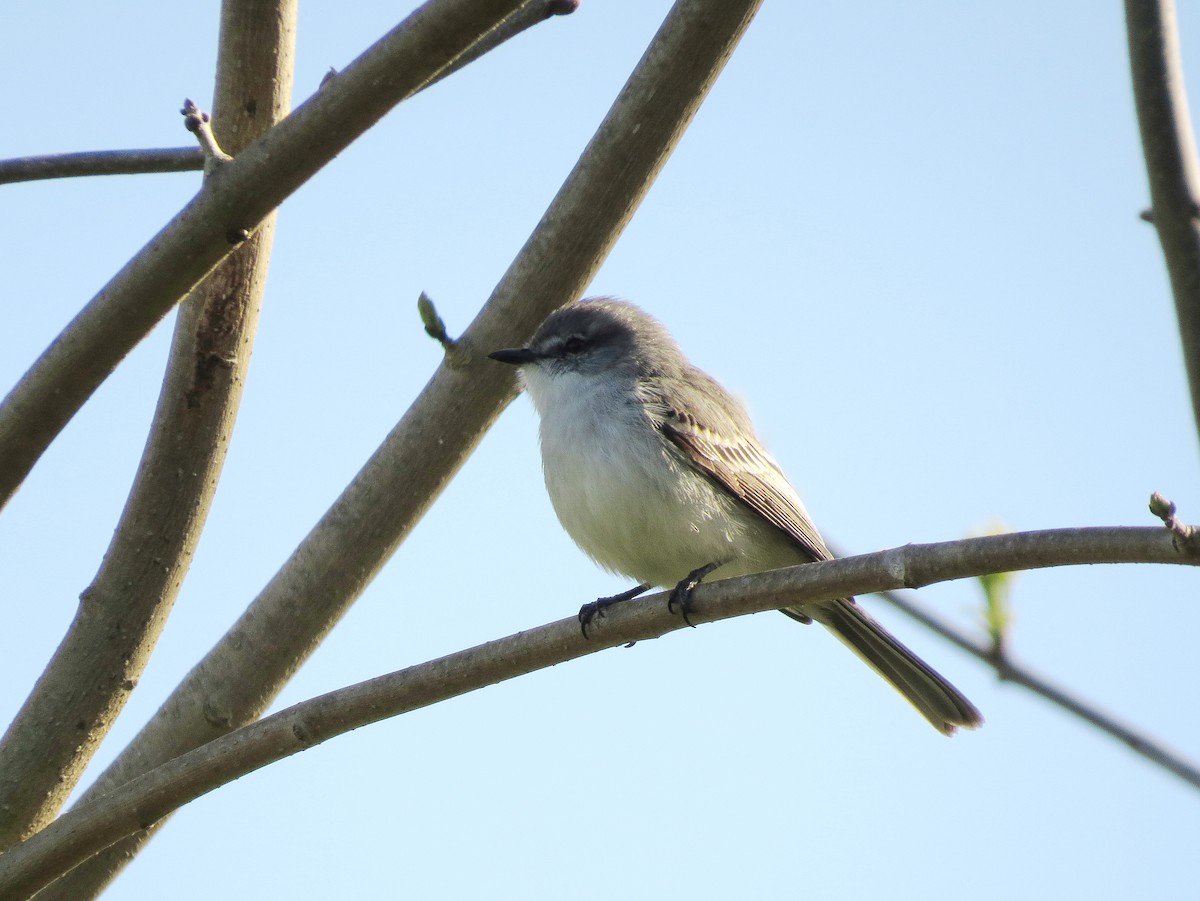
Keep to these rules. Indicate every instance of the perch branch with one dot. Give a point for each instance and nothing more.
(152, 795)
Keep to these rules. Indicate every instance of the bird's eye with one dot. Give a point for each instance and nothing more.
(575, 344)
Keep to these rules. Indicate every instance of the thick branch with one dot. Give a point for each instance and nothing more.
(531, 13)
(123, 611)
(93, 826)
(238, 679)
(221, 215)
(1170, 150)
(182, 159)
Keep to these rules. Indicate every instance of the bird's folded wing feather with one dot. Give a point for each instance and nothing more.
(726, 450)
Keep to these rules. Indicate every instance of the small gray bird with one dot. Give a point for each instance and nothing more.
(655, 471)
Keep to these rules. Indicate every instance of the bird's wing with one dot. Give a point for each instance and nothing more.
(715, 436)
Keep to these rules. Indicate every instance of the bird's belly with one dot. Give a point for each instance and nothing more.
(639, 509)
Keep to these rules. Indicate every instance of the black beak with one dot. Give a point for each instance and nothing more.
(517, 356)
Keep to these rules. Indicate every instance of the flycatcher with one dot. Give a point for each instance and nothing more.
(655, 471)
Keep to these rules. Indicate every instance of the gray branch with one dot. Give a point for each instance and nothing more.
(531, 13)
(1171, 163)
(240, 676)
(1010, 670)
(124, 610)
(183, 159)
(221, 216)
(100, 162)
(135, 805)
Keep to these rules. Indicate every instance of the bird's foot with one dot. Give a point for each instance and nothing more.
(681, 596)
(596, 608)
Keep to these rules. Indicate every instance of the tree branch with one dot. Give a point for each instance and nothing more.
(1010, 671)
(124, 610)
(100, 162)
(240, 676)
(221, 215)
(994, 652)
(530, 13)
(135, 805)
(183, 159)
(1171, 163)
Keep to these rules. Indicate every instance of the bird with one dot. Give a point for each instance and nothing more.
(655, 471)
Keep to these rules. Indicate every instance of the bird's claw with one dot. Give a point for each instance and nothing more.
(596, 608)
(591, 611)
(681, 596)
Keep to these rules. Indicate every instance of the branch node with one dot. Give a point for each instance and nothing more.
(328, 77)
(302, 733)
(895, 562)
(1147, 216)
(199, 123)
(455, 350)
(218, 715)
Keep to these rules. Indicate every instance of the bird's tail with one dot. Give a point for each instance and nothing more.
(935, 698)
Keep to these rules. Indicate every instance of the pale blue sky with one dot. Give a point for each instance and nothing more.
(907, 234)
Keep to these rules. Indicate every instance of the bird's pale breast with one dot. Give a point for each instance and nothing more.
(630, 500)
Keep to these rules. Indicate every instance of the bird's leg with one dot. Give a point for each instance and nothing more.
(589, 612)
(682, 594)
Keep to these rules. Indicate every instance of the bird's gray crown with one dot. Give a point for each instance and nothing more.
(601, 333)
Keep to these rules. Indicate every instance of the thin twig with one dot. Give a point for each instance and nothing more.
(100, 162)
(137, 804)
(1010, 671)
(1169, 147)
(996, 654)
(199, 123)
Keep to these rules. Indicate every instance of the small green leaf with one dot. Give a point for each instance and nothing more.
(997, 594)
